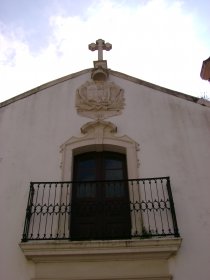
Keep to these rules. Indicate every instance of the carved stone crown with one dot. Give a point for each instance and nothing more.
(99, 100)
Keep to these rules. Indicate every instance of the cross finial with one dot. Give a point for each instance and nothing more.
(100, 46)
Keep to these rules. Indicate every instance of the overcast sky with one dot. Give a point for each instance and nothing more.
(160, 41)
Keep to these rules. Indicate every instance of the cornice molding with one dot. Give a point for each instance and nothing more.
(41, 251)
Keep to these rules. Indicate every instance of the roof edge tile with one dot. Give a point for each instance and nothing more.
(155, 87)
(112, 72)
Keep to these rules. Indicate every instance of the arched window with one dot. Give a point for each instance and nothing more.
(100, 198)
(90, 157)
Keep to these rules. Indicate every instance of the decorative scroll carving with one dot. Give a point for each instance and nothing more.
(96, 124)
(99, 100)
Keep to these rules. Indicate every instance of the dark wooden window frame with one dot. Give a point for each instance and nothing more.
(100, 208)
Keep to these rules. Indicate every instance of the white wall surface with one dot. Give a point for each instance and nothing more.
(174, 139)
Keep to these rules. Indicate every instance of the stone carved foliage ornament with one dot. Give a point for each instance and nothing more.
(99, 100)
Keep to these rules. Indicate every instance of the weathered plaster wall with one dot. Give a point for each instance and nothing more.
(174, 138)
(173, 135)
(31, 132)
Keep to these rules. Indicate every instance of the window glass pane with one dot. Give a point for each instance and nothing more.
(114, 189)
(113, 163)
(114, 174)
(86, 190)
(87, 163)
(86, 175)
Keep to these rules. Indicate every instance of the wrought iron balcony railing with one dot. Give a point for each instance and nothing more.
(140, 208)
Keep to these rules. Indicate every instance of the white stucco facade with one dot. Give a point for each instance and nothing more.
(173, 134)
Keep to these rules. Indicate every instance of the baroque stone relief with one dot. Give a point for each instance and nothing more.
(99, 100)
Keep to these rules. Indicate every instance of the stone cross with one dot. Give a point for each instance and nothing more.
(100, 46)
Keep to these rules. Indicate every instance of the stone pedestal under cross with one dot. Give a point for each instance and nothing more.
(100, 46)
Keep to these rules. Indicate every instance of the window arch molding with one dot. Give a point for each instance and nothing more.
(99, 136)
